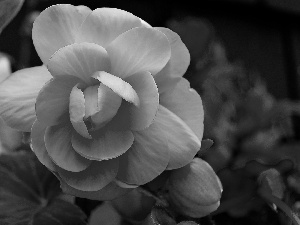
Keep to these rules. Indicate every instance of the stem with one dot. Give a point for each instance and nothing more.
(150, 194)
(282, 205)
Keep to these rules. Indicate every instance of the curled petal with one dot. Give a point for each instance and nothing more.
(56, 27)
(18, 95)
(81, 60)
(137, 50)
(109, 192)
(106, 144)
(186, 104)
(103, 25)
(52, 103)
(91, 100)
(38, 145)
(146, 159)
(94, 178)
(77, 112)
(182, 141)
(124, 185)
(59, 148)
(108, 103)
(143, 115)
(176, 66)
(119, 86)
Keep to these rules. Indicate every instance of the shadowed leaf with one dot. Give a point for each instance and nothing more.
(29, 194)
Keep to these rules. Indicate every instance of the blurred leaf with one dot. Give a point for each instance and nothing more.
(29, 194)
(8, 10)
(272, 181)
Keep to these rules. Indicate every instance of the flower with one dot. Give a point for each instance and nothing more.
(109, 109)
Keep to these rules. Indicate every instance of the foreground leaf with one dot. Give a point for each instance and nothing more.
(29, 194)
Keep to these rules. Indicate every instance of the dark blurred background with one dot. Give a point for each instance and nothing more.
(263, 35)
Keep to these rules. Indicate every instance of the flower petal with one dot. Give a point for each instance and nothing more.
(103, 25)
(91, 100)
(108, 103)
(60, 150)
(18, 96)
(138, 50)
(52, 102)
(77, 112)
(182, 141)
(80, 60)
(109, 192)
(38, 145)
(94, 178)
(5, 67)
(146, 159)
(56, 27)
(142, 116)
(177, 65)
(186, 104)
(119, 86)
(106, 144)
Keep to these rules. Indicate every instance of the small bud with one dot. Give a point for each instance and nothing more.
(195, 190)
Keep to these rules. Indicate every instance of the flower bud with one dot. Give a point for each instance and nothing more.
(195, 190)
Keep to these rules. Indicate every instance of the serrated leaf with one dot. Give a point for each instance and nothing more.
(29, 194)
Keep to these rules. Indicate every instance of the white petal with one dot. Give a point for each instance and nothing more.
(139, 50)
(56, 27)
(79, 60)
(186, 104)
(18, 95)
(182, 141)
(103, 25)
(146, 159)
(177, 65)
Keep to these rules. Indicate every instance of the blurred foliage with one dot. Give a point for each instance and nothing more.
(255, 144)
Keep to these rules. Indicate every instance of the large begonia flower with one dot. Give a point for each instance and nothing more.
(109, 109)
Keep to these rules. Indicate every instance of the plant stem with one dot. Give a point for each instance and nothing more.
(282, 205)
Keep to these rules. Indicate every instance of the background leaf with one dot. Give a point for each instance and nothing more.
(30, 194)
(8, 10)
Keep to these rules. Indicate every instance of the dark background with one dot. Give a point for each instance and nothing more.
(263, 35)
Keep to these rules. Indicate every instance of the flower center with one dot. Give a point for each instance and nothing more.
(101, 105)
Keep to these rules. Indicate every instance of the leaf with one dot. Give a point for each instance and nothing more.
(29, 194)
